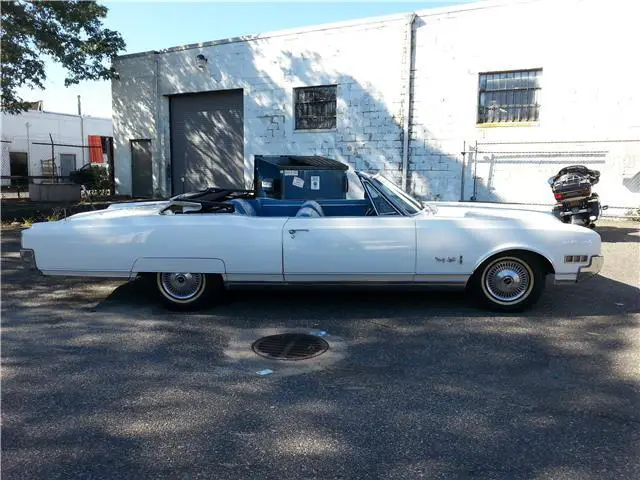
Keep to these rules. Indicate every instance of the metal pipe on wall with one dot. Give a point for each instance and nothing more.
(53, 158)
(475, 172)
(28, 125)
(407, 100)
(81, 130)
(464, 157)
(160, 185)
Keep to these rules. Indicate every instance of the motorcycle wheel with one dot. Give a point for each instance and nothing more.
(576, 220)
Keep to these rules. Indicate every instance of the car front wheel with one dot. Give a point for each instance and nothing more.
(187, 291)
(509, 282)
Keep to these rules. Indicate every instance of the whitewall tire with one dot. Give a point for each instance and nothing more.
(509, 282)
(186, 290)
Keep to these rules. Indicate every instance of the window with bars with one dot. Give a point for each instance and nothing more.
(315, 107)
(509, 97)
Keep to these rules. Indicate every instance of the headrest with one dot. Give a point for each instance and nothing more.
(242, 207)
(307, 212)
(315, 205)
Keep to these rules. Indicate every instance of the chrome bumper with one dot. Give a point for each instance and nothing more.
(588, 271)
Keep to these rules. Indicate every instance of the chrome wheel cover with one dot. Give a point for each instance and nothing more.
(181, 287)
(507, 280)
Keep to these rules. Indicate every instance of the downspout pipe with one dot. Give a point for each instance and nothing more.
(159, 183)
(407, 99)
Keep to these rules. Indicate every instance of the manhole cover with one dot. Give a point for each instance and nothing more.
(290, 346)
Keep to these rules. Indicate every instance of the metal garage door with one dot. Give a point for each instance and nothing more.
(207, 141)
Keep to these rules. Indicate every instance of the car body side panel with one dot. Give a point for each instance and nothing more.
(349, 249)
(446, 246)
(246, 245)
(178, 264)
(454, 245)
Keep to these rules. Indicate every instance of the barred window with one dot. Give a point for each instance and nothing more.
(315, 107)
(509, 97)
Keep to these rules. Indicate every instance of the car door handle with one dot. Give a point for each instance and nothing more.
(294, 231)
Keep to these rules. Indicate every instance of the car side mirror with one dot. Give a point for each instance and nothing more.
(605, 207)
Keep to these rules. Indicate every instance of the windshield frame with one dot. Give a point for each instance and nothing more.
(401, 201)
(404, 196)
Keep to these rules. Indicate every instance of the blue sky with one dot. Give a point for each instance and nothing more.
(156, 25)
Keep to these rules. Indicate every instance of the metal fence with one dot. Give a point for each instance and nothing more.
(51, 171)
(518, 172)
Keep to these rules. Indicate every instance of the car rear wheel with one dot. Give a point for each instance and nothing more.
(509, 282)
(187, 291)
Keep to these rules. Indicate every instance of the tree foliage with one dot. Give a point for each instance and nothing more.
(70, 32)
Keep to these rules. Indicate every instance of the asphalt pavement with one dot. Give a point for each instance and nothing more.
(99, 381)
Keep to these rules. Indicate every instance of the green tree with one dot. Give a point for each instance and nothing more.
(69, 32)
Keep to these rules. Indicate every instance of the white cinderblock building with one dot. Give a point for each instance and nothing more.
(538, 84)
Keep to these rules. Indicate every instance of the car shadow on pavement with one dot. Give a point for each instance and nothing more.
(99, 381)
(615, 234)
(420, 394)
(597, 296)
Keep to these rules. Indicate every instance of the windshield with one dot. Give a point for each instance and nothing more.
(409, 204)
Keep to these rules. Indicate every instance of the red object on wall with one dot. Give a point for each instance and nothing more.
(95, 149)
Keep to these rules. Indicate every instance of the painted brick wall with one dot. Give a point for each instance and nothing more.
(588, 93)
(134, 115)
(363, 60)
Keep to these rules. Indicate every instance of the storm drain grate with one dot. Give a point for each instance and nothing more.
(290, 346)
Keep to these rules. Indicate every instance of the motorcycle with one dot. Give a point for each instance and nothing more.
(576, 203)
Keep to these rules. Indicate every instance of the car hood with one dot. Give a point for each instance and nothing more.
(542, 214)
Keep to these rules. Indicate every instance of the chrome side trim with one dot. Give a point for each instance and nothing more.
(386, 285)
(443, 279)
(254, 277)
(590, 270)
(86, 273)
(348, 277)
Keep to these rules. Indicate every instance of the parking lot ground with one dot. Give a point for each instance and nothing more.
(98, 381)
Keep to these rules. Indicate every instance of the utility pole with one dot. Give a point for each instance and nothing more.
(464, 157)
(81, 129)
(53, 160)
(28, 125)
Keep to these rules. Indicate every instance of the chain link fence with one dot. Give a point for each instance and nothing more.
(518, 172)
(18, 171)
(5, 168)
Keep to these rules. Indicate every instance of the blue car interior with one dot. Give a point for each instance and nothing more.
(270, 207)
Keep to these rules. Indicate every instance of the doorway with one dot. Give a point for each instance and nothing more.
(141, 170)
(18, 162)
(67, 163)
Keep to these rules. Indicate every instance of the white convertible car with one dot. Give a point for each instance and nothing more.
(195, 244)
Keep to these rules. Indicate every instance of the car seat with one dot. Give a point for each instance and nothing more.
(242, 207)
(314, 206)
(307, 212)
